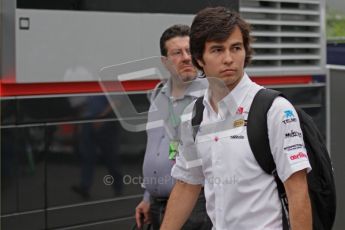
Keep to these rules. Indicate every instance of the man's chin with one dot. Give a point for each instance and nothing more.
(188, 78)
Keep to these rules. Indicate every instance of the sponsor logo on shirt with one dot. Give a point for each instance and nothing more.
(237, 137)
(289, 116)
(293, 147)
(293, 134)
(298, 156)
(239, 110)
(239, 123)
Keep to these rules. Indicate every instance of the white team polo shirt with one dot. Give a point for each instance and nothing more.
(239, 194)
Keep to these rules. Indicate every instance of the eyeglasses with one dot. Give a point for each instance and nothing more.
(179, 52)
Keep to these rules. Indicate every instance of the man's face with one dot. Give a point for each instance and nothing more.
(178, 59)
(225, 60)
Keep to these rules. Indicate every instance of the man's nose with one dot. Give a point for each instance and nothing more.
(228, 59)
(186, 56)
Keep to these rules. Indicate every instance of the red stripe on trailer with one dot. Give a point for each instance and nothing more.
(8, 88)
(25, 89)
(284, 80)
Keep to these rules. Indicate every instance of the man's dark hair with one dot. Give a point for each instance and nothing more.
(216, 24)
(171, 32)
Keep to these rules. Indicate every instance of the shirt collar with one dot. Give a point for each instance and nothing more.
(233, 100)
(166, 89)
(195, 89)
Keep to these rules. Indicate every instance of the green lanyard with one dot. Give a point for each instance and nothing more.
(173, 119)
(173, 150)
(175, 122)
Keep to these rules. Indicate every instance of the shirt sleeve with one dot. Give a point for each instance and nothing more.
(188, 166)
(286, 139)
(147, 197)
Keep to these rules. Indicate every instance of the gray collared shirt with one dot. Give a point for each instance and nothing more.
(162, 128)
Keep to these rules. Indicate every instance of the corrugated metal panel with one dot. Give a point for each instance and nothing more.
(289, 36)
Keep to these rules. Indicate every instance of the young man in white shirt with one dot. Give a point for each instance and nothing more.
(239, 194)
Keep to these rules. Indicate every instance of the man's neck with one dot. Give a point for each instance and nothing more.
(178, 87)
(219, 90)
(217, 93)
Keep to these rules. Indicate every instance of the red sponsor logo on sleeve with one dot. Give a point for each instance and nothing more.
(298, 156)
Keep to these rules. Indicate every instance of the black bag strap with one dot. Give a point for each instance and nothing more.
(198, 113)
(257, 128)
(257, 132)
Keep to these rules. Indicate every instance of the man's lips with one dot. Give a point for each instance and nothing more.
(187, 67)
(228, 71)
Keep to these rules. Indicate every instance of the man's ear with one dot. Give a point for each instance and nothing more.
(165, 61)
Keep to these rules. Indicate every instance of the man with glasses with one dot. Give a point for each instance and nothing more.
(168, 101)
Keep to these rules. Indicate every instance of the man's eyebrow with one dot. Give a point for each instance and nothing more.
(237, 44)
(216, 46)
(179, 49)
